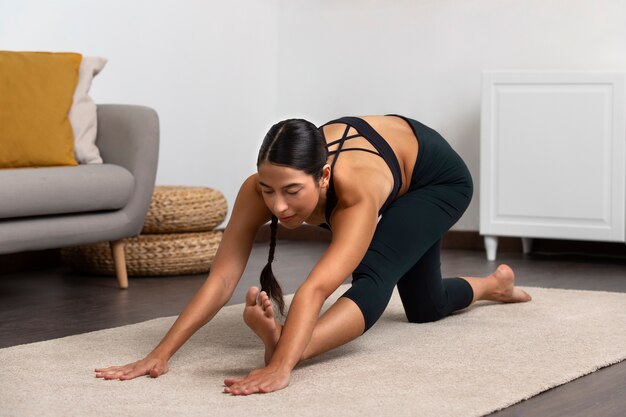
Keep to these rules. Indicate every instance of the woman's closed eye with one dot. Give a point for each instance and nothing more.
(270, 192)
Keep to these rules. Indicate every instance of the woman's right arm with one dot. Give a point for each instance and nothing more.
(249, 213)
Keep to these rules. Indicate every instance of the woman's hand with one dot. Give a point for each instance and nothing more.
(258, 381)
(152, 366)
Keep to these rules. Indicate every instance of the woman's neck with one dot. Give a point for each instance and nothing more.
(318, 216)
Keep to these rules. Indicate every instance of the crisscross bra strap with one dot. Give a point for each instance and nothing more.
(380, 144)
(341, 141)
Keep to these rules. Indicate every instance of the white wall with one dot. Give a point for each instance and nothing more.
(207, 67)
(221, 73)
(423, 58)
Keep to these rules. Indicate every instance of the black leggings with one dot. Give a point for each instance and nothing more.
(405, 248)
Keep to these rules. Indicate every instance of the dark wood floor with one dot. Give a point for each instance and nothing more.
(54, 302)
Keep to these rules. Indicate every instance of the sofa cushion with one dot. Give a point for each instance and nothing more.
(83, 114)
(36, 92)
(55, 190)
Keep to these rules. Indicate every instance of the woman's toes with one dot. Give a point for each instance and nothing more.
(263, 297)
(251, 296)
(522, 295)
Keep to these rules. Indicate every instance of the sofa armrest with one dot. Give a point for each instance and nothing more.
(129, 136)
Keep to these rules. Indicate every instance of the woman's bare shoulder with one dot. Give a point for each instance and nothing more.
(249, 205)
(252, 183)
(356, 183)
(354, 186)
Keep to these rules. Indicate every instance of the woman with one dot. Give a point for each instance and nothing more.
(397, 168)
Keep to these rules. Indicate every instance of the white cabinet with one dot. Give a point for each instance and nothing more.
(552, 157)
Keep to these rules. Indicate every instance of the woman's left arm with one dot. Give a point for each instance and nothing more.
(353, 228)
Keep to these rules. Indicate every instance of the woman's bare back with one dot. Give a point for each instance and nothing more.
(363, 169)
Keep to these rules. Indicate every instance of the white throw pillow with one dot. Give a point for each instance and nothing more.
(83, 114)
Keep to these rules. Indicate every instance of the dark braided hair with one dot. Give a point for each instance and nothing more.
(295, 143)
(268, 281)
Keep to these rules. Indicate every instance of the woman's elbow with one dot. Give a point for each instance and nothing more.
(313, 292)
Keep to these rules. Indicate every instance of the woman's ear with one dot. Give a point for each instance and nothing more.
(325, 179)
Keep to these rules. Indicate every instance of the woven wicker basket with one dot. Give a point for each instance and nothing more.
(178, 209)
(150, 255)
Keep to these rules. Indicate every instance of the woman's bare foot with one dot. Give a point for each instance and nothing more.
(498, 286)
(504, 289)
(259, 316)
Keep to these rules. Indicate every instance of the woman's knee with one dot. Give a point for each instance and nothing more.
(424, 315)
(371, 299)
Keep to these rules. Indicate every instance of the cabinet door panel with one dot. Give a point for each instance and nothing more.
(552, 155)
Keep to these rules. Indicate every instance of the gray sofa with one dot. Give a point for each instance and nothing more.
(43, 208)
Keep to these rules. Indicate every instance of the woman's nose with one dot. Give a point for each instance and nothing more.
(280, 205)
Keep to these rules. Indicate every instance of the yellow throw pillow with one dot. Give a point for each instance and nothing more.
(36, 92)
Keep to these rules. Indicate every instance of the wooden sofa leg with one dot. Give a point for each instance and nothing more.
(117, 248)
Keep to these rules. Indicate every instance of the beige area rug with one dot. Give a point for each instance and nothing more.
(474, 362)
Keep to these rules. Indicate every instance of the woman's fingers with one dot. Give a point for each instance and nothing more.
(149, 366)
(114, 374)
(233, 384)
(230, 381)
(110, 368)
(242, 390)
(121, 372)
(132, 374)
(258, 381)
(111, 372)
(106, 374)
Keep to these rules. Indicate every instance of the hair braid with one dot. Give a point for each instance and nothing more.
(268, 281)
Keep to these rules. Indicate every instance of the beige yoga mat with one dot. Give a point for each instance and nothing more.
(474, 362)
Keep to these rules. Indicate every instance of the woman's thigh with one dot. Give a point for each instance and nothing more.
(408, 229)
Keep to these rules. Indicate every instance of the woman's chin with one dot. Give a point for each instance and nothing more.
(291, 223)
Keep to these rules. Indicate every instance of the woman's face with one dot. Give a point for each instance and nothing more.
(290, 194)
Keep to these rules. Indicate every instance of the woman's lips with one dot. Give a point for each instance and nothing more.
(286, 219)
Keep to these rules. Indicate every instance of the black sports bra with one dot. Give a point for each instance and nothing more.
(384, 151)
